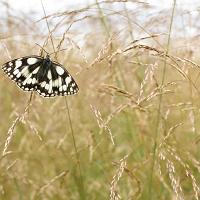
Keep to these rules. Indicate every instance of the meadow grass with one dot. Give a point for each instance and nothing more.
(132, 132)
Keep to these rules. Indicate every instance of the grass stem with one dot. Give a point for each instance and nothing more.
(158, 120)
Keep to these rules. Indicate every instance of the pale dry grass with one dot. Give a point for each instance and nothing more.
(100, 144)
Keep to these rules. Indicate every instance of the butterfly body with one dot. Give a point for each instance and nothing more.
(36, 73)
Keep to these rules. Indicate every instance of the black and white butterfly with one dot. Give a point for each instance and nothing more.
(36, 73)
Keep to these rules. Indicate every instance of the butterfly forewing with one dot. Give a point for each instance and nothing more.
(22, 71)
(40, 74)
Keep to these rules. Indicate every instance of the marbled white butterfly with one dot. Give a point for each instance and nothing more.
(36, 73)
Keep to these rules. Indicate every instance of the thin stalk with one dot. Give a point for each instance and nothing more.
(103, 19)
(120, 78)
(159, 105)
(82, 194)
(50, 34)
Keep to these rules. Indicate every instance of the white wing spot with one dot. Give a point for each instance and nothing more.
(60, 88)
(36, 70)
(59, 70)
(29, 81)
(18, 63)
(16, 72)
(68, 80)
(49, 75)
(33, 80)
(26, 80)
(64, 87)
(9, 68)
(25, 71)
(56, 83)
(10, 64)
(32, 61)
(59, 82)
(43, 84)
(50, 86)
(47, 86)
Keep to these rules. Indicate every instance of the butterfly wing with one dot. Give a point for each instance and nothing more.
(42, 75)
(57, 81)
(23, 71)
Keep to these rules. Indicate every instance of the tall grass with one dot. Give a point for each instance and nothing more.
(132, 132)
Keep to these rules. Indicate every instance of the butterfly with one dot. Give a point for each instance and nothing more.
(41, 74)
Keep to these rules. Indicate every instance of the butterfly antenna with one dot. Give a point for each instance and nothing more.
(42, 49)
(50, 33)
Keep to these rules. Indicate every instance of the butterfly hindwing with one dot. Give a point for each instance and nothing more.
(57, 81)
(35, 73)
(65, 83)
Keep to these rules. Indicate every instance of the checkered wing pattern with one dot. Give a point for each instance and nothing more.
(35, 73)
